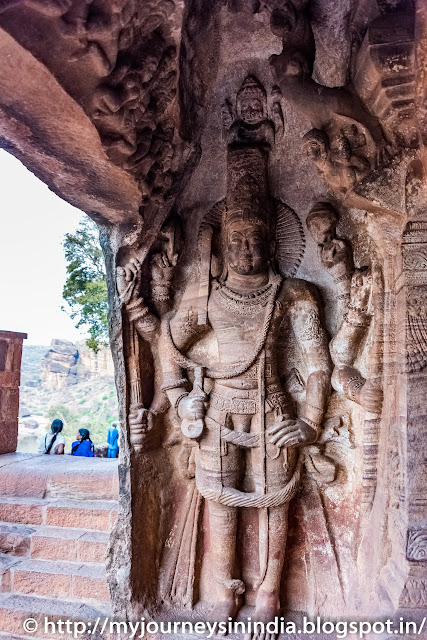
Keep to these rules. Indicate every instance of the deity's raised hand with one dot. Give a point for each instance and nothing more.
(162, 268)
(128, 280)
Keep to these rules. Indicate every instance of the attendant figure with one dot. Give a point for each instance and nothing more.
(54, 442)
(113, 441)
(83, 446)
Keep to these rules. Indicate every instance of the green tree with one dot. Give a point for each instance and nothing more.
(85, 289)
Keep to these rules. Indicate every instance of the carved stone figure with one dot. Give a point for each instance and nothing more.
(145, 322)
(246, 431)
(337, 159)
(346, 344)
(354, 287)
(222, 360)
(249, 122)
(335, 253)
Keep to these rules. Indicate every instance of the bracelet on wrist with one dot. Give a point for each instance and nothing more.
(315, 414)
(179, 398)
(182, 382)
(311, 423)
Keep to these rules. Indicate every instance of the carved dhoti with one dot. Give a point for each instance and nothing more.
(234, 465)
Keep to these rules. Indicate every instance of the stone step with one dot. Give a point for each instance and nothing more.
(65, 580)
(99, 515)
(40, 476)
(14, 609)
(53, 543)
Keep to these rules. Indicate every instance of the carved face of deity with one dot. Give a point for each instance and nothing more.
(247, 248)
(251, 109)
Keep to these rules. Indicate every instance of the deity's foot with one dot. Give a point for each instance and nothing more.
(228, 603)
(267, 609)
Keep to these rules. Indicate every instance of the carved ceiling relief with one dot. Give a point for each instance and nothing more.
(359, 128)
(129, 52)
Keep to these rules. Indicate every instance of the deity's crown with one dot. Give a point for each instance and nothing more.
(247, 198)
(246, 203)
(251, 87)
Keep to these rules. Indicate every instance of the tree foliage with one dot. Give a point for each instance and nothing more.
(85, 289)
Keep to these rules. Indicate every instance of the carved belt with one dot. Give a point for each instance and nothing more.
(253, 372)
(245, 401)
(238, 401)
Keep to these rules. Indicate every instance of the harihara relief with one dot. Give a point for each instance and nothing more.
(243, 370)
(246, 431)
(258, 173)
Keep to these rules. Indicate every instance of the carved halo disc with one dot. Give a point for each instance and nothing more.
(289, 236)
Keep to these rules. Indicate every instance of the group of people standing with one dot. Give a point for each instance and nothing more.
(53, 443)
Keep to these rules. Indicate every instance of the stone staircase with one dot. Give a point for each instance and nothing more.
(56, 513)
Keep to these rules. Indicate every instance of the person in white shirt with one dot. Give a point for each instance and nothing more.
(53, 442)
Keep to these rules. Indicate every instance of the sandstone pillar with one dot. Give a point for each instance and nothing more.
(10, 377)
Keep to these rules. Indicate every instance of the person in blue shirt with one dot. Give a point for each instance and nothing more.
(83, 446)
(113, 441)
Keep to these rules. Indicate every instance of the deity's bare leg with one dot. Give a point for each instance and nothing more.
(268, 596)
(223, 519)
(223, 530)
(278, 473)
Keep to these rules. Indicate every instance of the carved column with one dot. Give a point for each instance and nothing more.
(405, 575)
(10, 376)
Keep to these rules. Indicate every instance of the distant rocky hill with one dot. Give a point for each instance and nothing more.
(66, 364)
(68, 381)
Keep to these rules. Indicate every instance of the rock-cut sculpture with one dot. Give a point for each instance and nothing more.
(246, 433)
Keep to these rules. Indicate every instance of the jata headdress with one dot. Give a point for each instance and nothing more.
(247, 197)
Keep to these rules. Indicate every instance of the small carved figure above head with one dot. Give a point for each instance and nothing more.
(251, 101)
(335, 253)
(249, 122)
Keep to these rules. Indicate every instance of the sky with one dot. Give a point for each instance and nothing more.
(33, 223)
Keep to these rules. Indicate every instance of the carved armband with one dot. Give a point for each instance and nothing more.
(160, 292)
(175, 384)
(352, 386)
(357, 316)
